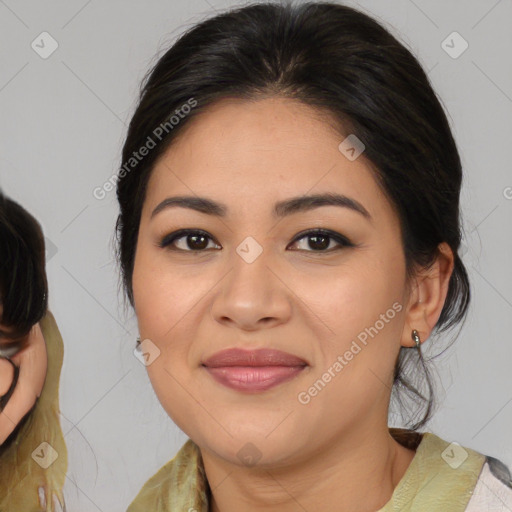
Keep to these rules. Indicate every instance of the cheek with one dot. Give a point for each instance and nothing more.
(168, 301)
(357, 312)
(348, 297)
(157, 298)
(163, 301)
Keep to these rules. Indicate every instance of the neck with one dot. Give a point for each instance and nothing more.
(358, 472)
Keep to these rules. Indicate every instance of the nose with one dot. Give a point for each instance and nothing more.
(252, 296)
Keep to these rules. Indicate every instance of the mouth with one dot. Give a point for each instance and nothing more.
(253, 370)
(253, 378)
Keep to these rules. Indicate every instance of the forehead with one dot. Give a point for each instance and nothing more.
(249, 153)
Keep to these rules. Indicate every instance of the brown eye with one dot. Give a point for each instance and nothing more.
(195, 240)
(320, 240)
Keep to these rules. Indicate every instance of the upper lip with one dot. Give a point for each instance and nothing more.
(258, 357)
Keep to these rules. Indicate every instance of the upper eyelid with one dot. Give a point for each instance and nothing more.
(181, 233)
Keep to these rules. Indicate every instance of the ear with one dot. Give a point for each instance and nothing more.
(427, 297)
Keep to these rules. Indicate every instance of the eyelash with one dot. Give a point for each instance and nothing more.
(166, 242)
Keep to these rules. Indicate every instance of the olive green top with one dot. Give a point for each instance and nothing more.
(441, 476)
(22, 465)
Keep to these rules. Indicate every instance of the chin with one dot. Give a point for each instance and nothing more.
(251, 449)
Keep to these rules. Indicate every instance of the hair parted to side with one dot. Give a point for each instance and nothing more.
(347, 65)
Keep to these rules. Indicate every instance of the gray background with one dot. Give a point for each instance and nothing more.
(62, 126)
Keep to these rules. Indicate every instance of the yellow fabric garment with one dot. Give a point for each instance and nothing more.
(20, 474)
(429, 483)
(434, 480)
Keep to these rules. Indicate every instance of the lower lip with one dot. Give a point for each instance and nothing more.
(253, 378)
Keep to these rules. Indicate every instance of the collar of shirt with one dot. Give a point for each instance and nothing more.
(441, 476)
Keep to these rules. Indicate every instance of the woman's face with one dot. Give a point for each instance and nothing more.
(253, 283)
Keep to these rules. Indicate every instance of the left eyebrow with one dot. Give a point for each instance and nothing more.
(281, 209)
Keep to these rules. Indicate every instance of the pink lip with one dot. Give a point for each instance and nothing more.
(259, 357)
(253, 370)
(260, 378)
